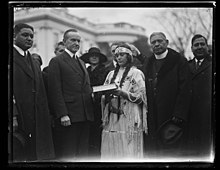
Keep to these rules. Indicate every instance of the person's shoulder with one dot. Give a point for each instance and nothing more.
(136, 70)
(110, 66)
(15, 51)
(54, 60)
(86, 64)
(102, 67)
(111, 72)
(57, 57)
(208, 58)
(148, 60)
(173, 52)
(45, 69)
(174, 55)
(191, 60)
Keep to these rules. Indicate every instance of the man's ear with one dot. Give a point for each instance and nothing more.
(167, 42)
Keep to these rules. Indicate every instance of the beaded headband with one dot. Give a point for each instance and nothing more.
(123, 50)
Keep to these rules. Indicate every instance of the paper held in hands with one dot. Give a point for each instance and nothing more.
(105, 87)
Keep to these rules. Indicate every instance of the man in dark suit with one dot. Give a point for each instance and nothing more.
(167, 87)
(70, 99)
(30, 106)
(200, 135)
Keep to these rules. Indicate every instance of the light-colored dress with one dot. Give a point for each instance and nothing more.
(122, 138)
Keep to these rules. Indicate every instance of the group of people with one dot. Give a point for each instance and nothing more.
(162, 107)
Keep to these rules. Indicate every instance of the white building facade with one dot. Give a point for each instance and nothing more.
(51, 23)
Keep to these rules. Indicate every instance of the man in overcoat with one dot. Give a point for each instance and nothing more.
(200, 125)
(30, 106)
(70, 99)
(167, 87)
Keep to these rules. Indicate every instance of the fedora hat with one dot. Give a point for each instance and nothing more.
(169, 133)
(93, 51)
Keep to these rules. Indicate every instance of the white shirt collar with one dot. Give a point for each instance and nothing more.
(70, 53)
(20, 50)
(161, 56)
(199, 60)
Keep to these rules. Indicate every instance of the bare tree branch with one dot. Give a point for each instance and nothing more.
(182, 24)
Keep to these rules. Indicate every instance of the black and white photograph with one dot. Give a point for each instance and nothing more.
(111, 83)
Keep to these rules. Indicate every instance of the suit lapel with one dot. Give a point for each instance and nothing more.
(205, 64)
(20, 61)
(73, 64)
(86, 77)
(34, 69)
(82, 66)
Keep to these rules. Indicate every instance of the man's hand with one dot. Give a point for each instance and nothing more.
(178, 121)
(15, 123)
(65, 121)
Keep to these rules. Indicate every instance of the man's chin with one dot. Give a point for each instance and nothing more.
(158, 52)
(199, 57)
(28, 46)
(74, 50)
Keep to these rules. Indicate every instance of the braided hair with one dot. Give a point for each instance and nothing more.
(127, 69)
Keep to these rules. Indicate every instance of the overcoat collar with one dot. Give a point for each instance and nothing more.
(20, 60)
(168, 64)
(204, 65)
(72, 63)
(75, 66)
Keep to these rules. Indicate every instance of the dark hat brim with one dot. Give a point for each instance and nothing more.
(169, 133)
(85, 57)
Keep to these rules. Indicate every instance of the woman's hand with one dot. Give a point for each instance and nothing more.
(119, 92)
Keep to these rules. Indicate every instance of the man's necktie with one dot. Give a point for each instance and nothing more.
(198, 62)
(25, 55)
(74, 59)
(26, 59)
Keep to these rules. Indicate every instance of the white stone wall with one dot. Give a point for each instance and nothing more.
(50, 25)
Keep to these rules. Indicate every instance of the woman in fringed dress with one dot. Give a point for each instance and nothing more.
(124, 110)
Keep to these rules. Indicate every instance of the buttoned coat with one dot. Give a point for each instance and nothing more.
(170, 96)
(69, 89)
(200, 117)
(31, 104)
